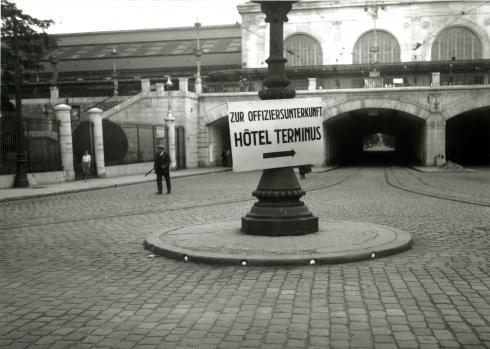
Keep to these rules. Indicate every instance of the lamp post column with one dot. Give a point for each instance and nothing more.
(279, 212)
(20, 180)
(95, 117)
(62, 112)
(114, 72)
(170, 123)
(198, 54)
(54, 92)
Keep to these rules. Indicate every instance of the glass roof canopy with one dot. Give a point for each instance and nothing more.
(141, 49)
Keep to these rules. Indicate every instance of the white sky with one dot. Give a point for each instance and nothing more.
(74, 16)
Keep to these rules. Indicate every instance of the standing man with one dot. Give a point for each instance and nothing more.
(86, 161)
(162, 168)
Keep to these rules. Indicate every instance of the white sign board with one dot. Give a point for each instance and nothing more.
(275, 133)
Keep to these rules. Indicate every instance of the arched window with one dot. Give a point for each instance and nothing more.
(457, 42)
(376, 46)
(302, 50)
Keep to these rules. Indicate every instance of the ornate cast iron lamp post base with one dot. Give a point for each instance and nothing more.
(279, 212)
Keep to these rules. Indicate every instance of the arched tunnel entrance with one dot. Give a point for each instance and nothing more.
(219, 141)
(468, 138)
(374, 136)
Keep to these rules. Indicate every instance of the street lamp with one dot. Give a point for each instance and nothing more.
(279, 212)
(20, 179)
(197, 51)
(168, 86)
(54, 64)
(114, 71)
(170, 123)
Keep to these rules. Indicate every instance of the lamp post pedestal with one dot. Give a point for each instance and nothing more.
(279, 212)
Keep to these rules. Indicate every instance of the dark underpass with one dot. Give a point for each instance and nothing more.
(374, 136)
(468, 138)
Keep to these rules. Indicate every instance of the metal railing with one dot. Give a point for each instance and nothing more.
(299, 84)
(104, 104)
(75, 89)
(463, 78)
(41, 142)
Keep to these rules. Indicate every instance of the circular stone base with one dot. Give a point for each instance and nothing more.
(224, 243)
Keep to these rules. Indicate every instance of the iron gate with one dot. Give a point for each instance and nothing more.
(83, 139)
(180, 147)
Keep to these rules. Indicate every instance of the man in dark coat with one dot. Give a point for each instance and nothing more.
(162, 168)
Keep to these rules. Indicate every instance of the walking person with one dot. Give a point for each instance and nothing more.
(86, 161)
(223, 157)
(303, 170)
(162, 169)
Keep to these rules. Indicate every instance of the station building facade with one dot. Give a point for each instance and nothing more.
(415, 72)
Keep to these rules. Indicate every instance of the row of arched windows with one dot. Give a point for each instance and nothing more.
(380, 46)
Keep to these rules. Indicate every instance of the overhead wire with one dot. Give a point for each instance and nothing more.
(416, 46)
(436, 32)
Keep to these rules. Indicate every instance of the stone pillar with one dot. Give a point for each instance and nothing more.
(435, 140)
(170, 123)
(436, 79)
(160, 87)
(145, 85)
(311, 84)
(62, 113)
(183, 84)
(198, 84)
(95, 117)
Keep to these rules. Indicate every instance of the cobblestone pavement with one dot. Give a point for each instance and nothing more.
(74, 274)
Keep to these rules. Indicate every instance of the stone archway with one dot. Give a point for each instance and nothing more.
(467, 103)
(402, 105)
(348, 123)
(467, 130)
(215, 127)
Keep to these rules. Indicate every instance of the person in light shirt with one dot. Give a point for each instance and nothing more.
(86, 161)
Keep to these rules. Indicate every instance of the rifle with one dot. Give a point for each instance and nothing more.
(147, 173)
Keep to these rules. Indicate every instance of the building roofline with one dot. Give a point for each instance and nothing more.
(146, 30)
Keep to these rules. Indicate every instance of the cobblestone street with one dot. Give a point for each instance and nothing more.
(74, 273)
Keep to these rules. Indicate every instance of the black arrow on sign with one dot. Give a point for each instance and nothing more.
(278, 154)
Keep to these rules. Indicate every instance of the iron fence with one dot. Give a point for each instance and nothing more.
(102, 89)
(41, 143)
(463, 79)
(75, 90)
(299, 84)
(128, 143)
(361, 80)
(219, 87)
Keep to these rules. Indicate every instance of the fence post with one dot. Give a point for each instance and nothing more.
(183, 84)
(145, 85)
(160, 88)
(436, 79)
(311, 84)
(95, 117)
(62, 112)
(198, 84)
(54, 95)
